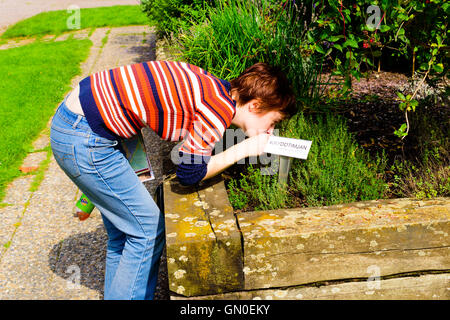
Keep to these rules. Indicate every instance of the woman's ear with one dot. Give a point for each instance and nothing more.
(253, 106)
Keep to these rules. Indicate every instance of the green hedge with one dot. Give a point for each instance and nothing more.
(171, 16)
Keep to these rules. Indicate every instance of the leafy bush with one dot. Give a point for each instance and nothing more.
(366, 31)
(169, 16)
(259, 192)
(224, 43)
(236, 35)
(428, 179)
(337, 169)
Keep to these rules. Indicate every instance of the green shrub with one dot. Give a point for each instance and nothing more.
(169, 16)
(337, 171)
(428, 179)
(227, 42)
(364, 32)
(425, 171)
(258, 192)
(236, 35)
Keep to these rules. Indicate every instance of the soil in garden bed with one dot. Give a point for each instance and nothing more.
(373, 115)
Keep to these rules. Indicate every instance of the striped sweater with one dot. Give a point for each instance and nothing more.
(175, 99)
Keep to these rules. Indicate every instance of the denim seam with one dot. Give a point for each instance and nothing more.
(90, 160)
(140, 266)
(70, 131)
(70, 122)
(117, 196)
(75, 124)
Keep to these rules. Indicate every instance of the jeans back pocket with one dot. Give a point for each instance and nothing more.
(65, 156)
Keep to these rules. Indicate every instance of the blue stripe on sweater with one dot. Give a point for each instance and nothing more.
(91, 111)
(192, 168)
(157, 101)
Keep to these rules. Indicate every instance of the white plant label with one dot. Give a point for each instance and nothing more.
(295, 148)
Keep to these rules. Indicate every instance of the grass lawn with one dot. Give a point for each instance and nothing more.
(33, 79)
(55, 22)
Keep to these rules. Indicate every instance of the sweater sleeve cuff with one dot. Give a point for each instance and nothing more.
(192, 168)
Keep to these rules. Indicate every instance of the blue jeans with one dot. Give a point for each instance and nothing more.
(133, 222)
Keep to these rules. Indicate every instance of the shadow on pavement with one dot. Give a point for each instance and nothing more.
(85, 253)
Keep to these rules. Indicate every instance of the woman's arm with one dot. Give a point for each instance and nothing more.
(253, 146)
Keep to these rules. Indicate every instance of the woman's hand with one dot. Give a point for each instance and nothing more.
(255, 145)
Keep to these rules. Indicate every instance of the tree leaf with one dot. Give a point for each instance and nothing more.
(319, 49)
(438, 67)
(377, 53)
(401, 95)
(338, 46)
(384, 28)
(351, 42)
(333, 38)
(401, 131)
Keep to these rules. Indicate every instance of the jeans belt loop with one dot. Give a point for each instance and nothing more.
(77, 121)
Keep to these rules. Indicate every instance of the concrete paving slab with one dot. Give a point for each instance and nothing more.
(32, 161)
(42, 141)
(18, 192)
(10, 219)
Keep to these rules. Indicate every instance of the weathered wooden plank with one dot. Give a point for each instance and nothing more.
(209, 253)
(201, 260)
(424, 287)
(293, 247)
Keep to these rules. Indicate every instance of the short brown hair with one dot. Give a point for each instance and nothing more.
(268, 85)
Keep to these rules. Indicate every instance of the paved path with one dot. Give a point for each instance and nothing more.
(46, 252)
